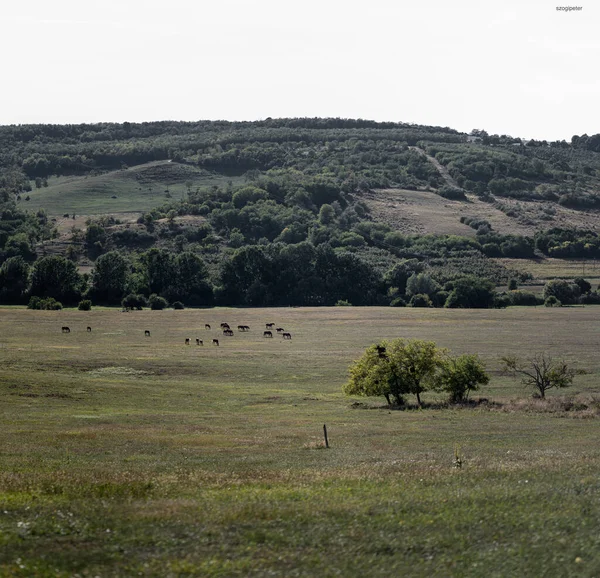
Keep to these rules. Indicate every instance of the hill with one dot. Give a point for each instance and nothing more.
(374, 194)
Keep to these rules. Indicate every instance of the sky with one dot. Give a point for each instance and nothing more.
(521, 68)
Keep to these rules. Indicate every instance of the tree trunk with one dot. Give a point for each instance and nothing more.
(387, 397)
(418, 399)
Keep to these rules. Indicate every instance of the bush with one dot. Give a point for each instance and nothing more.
(157, 303)
(524, 298)
(178, 305)
(420, 300)
(85, 305)
(133, 301)
(48, 304)
(513, 284)
(552, 301)
(398, 302)
(343, 303)
(565, 291)
(451, 193)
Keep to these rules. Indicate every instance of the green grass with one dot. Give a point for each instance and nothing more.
(139, 188)
(125, 455)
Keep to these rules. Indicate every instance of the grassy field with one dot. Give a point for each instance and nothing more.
(139, 188)
(127, 455)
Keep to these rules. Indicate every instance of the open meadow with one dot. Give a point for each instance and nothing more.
(127, 455)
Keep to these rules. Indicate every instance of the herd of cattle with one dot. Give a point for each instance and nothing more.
(227, 331)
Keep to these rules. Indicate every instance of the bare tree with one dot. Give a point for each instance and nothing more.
(541, 372)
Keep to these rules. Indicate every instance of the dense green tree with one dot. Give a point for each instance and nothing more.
(160, 269)
(399, 274)
(56, 277)
(565, 291)
(110, 278)
(471, 293)
(14, 280)
(421, 283)
(192, 280)
(395, 369)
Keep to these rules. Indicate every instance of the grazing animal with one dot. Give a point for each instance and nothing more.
(286, 335)
(243, 328)
(187, 340)
(225, 326)
(207, 326)
(147, 333)
(89, 329)
(65, 330)
(280, 329)
(269, 325)
(215, 342)
(228, 332)
(267, 334)
(199, 342)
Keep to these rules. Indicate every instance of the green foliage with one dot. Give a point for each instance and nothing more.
(85, 305)
(422, 283)
(178, 305)
(470, 292)
(513, 284)
(524, 298)
(420, 300)
(56, 277)
(395, 369)
(14, 280)
(459, 376)
(565, 291)
(343, 303)
(399, 274)
(47, 304)
(133, 301)
(110, 278)
(552, 301)
(157, 303)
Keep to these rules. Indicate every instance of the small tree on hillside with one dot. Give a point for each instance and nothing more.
(541, 372)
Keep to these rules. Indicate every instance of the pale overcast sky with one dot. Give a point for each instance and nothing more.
(510, 67)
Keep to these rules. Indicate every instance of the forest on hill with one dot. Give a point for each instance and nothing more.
(294, 228)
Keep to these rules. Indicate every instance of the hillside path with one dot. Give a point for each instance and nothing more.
(439, 166)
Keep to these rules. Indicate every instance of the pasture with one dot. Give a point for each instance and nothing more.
(125, 455)
(135, 189)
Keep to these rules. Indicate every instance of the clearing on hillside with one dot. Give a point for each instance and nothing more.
(135, 189)
(424, 212)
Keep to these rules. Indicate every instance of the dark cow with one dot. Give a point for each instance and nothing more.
(147, 333)
(225, 326)
(286, 335)
(269, 325)
(89, 329)
(65, 330)
(215, 342)
(207, 326)
(267, 334)
(187, 340)
(228, 332)
(243, 328)
(280, 329)
(199, 342)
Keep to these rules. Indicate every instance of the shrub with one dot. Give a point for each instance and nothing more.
(85, 305)
(133, 301)
(343, 303)
(420, 300)
(47, 304)
(398, 302)
(513, 284)
(566, 292)
(157, 303)
(178, 305)
(552, 301)
(524, 298)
